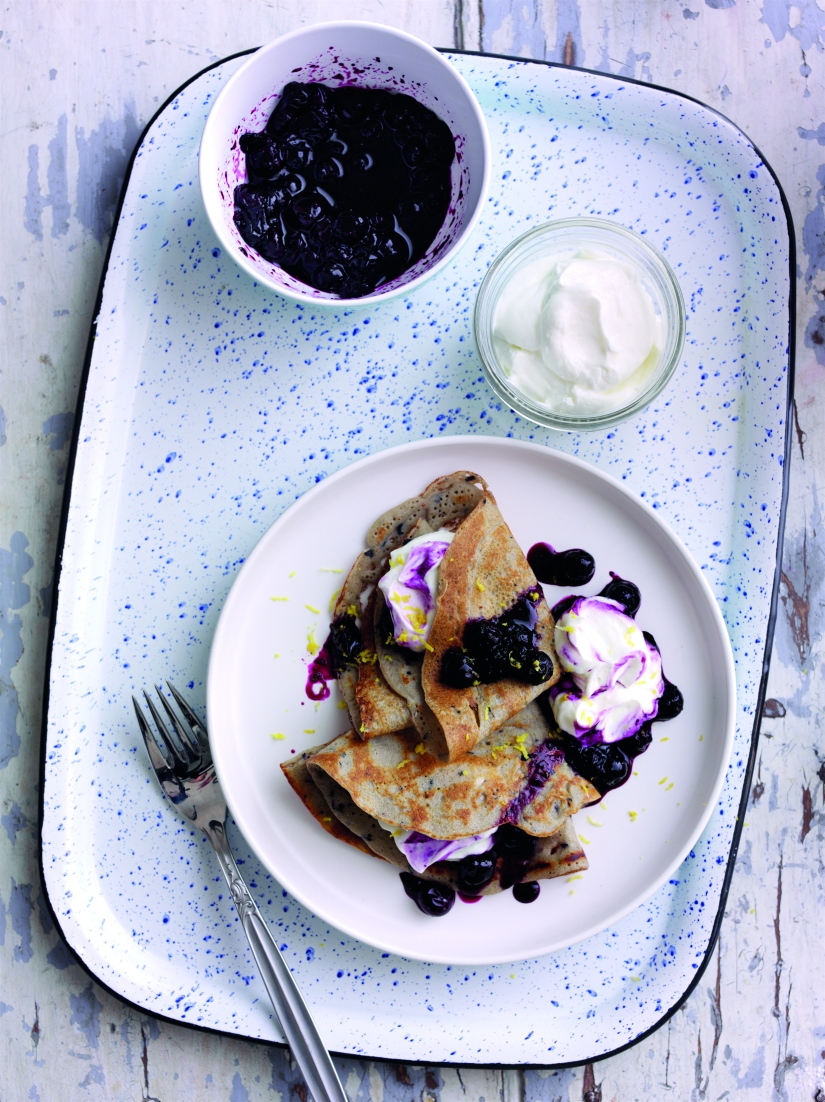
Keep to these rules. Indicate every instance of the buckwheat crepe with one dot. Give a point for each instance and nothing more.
(349, 785)
(483, 573)
(374, 707)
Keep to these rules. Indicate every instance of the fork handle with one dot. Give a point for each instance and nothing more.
(300, 1030)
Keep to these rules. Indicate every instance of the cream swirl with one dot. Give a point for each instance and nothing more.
(613, 676)
(410, 587)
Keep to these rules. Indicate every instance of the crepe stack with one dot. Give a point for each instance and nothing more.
(421, 756)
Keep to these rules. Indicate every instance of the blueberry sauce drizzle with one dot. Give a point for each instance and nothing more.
(503, 646)
(341, 648)
(573, 567)
(347, 187)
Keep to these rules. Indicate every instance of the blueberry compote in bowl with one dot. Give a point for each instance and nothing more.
(305, 253)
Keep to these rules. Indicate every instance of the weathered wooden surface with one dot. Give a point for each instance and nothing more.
(79, 82)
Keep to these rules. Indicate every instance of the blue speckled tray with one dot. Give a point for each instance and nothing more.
(210, 405)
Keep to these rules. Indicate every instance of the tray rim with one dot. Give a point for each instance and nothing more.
(769, 634)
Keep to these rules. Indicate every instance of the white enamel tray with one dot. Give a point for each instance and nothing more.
(210, 406)
(635, 839)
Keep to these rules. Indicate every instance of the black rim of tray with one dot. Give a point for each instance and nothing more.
(746, 784)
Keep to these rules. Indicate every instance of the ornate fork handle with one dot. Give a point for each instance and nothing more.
(299, 1029)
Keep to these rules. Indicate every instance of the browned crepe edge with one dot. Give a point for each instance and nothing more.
(483, 573)
(381, 710)
(296, 772)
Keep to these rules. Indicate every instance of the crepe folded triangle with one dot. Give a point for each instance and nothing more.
(390, 688)
(365, 792)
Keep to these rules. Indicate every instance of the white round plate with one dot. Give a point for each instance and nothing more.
(259, 715)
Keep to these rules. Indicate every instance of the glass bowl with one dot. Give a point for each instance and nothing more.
(561, 240)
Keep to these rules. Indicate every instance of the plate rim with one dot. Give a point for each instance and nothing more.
(221, 649)
(698, 973)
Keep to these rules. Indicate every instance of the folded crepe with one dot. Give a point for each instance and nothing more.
(365, 792)
(374, 707)
(388, 687)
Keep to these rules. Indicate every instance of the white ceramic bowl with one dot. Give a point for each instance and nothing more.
(364, 55)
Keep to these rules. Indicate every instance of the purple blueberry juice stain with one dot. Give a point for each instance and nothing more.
(321, 670)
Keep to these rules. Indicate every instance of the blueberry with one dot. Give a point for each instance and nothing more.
(440, 143)
(272, 247)
(350, 226)
(482, 636)
(624, 593)
(604, 764)
(457, 670)
(306, 210)
(527, 891)
(475, 871)
(514, 843)
(371, 129)
(638, 743)
(574, 567)
(329, 168)
(401, 111)
(537, 669)
(431, 898)
(523, 612)
(409, 210)
(330, 276)
(671, 702)
(426, 178)
(344, 642)
(298, 154)
(558, 610)
(263, 158)
(353, 105)
(257, 210)
(414, 151)
(292, 102)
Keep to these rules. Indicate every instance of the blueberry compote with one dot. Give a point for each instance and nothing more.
(504, 646)
(342, 648)
(347, 187)
(571, 567)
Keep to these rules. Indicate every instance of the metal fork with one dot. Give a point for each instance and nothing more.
(182, 762)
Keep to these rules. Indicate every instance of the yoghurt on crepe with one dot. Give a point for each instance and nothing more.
(612, 678)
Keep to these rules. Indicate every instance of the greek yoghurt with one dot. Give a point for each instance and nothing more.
(613, 676)
(410, 587)
(421, 851)
(578, 334)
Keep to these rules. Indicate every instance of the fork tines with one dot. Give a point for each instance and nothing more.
(185, 748)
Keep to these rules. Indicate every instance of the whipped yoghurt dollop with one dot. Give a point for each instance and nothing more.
(578, 334)
(421, 851)
(410, 587)
(613, 676)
